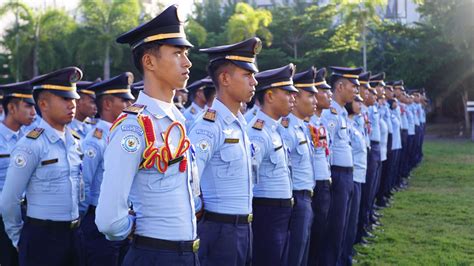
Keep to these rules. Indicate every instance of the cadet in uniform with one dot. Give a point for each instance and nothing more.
(202, 93)
(322, 170)
(223, 153)
(296, 137)
(149, 160)
(113, 96)
(46, 164)
(272, 202)
(396, 144)
(344, 82)
(85, 109)
(19, 109)
(399, 94)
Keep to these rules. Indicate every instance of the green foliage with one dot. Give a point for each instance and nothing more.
(248, 22)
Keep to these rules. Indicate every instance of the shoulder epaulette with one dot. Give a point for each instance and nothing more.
(210, 115)
(285, 122)
(91, 121)
(306, 120)
(333, 111)
(193, 110)
(35, 133)
(134, 109)
(98, 133)
(258, 125)
(75, 134)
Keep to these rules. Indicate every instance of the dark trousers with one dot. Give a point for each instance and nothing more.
(98, 250)
(50, 246)
(373, 166)
(417, 152)
(270, 235)
(8, 253)
(300, 228)
(404, 156)
(341, 193)
(384, 187)
(409, 159)
(144, 256)
(224, 243)
(320, 204)
(351, 230)
(394, 172)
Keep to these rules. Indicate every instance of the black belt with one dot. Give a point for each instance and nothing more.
(228, 218)
(323, 182)
(347, 170)
(304, 193)
(274, 202)
(91, 209)
(155, 243)
(374, 142)
(54, 224)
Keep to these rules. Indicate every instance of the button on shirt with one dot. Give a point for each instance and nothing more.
(322, 169)
(191, 113)
(48, 169)
(8, 139)
(359, 148)
(374, 118)
(299, 145)
(223, 157)
(273, 178)
(340, 144)
(82, 128)
(163, 202)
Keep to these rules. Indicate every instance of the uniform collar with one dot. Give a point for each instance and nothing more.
(339, 109)
(160, 109)
(295, 121)
(77, 125)
(51, 134)
(270, 123)
(198, 109)
(104, 125)
(7, 133)
(226, 114)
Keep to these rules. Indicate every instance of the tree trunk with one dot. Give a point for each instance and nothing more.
(465, 98)
(364, 46)
(107, 62)
(295, 50)
(36, 49)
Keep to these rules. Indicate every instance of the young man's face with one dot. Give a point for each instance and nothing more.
(305, 103)
(86, 105)
(117, 105)
(323, 98)
(346, 89)
(172, 66)
(282, 102)
(60, 110)
(241, 84)
(356, 107)
(23, 112)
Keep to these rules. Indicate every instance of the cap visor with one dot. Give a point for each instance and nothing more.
(176, 42)
(65, 94)
(355, 81)
(323, 87)
(29, 100)
(309, 89)
(126, 96)
(289, 88)
(247, 66)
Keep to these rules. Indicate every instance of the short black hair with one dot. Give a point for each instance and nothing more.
(260, 96)
(209, 92)
(333, 80)
(137, 54)
(349, 109)
(215, 69)
(8, 100)
(99, 101)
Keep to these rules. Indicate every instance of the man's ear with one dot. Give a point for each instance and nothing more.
(224, 78)
(148, 61)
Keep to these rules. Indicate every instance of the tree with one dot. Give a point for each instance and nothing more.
(248, 22)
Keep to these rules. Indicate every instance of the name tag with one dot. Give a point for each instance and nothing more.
(303, 142)
(277, 148)
(228, 140)
(49, 161)
(4, 155)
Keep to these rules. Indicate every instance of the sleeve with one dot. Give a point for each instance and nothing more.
(205, 138)
(92, 160)
(23, 163)
(122, 158)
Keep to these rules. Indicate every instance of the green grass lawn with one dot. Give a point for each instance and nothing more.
(432, 222)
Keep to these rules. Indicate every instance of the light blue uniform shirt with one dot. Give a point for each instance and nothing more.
(33, 125)
(386, 117)
(8, 139)
(365, 116)
(163, 202)
(374, 118)
(359, 148)
(383, 135)
(402, 109)
(82, 128)
(250, 114)
(410, 119)
(322, 169)
(191, 114)
(396, 124)
(422, 114)
(416, 113)
(94, 145)
(49, 170)
(273, 175)
(297, 140)
(223, 156)
(340, 140)
(2, 116)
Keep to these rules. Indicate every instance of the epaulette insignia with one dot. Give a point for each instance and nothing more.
(35, 133)
(258, 125)
(91, 121)
(285, 122)
(75, 134)
(134, 109)
(254, 112)
(193, 110)
(98, 133)
(333, 111)
(210, 115)
(306, 120)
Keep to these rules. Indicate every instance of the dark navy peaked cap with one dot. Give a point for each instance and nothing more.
(117, 86)
(352, 74)
(242, 53)
(22, 90)
(60, 82)
(199, 84)
(83, 87)
(320, 80)
(399, 85)
(305, 80)
(377, 80)
(166, 28)
(277, 78)
(364, 80)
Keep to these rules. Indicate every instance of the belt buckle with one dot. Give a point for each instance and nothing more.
(74, 224)
(196, 245)
(311, 192)
(292, 200)
(330, 181)
(250, 218)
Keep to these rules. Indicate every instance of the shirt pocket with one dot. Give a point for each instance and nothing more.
(233, 160)
(167, 181)
(4, 164)
(277, 159)
(51, 177)
(342, 133)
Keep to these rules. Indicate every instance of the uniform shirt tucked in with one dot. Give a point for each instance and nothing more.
(322, 169)
(359, 149)
(386, 117)
(367, 128)
(422, 114)
(223, 156)
(299, 145)
(8, 139)
(416, 113)
(340, 144)
(410, 120)
(163, 202)
(383, 135)
(49, 170)
(403, 115)
(191, 114)
(396, 125)
(271, 158)
(374, 118)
